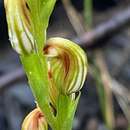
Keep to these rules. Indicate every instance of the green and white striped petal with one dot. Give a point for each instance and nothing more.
(35, 121)
(67, 67)
(18, 19)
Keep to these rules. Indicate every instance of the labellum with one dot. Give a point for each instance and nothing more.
(67, 67)
(18, 19)
(35, 121)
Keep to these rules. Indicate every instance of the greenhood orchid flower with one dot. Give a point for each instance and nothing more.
(35, 121)
(18, 18)
(67, 67)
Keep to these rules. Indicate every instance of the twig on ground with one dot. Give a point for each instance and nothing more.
(106, 30)
(102, 32)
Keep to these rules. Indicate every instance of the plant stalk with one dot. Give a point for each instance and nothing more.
(129, 126)
(88, 13)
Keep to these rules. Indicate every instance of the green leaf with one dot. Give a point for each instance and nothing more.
(36, 70)
(40, 14)
(66, 107)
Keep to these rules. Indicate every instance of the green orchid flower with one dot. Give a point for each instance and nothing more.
(18, 19)
(35, 121)
(67, 67)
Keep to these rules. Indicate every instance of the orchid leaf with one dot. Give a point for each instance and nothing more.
(40, 14)
(36, 71)
(66, 108)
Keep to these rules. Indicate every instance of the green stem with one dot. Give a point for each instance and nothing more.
(88, 13)
(103, 99)
(61, 128)
(128, 126)
(66, 108)
(36, 70)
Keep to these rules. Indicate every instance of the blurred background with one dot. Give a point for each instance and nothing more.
(102, 28)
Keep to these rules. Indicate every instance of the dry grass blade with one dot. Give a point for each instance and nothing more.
(121, 92)
(107, 92)
(124, 60)
(123, 97)
(74, 17)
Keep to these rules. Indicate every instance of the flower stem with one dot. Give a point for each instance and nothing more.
(88, 13)
(128, 126)
(36, 70)
(66, 108)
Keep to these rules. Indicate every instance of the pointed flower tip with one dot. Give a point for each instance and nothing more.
(67, 66)
(35, 121)
(18, 19)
